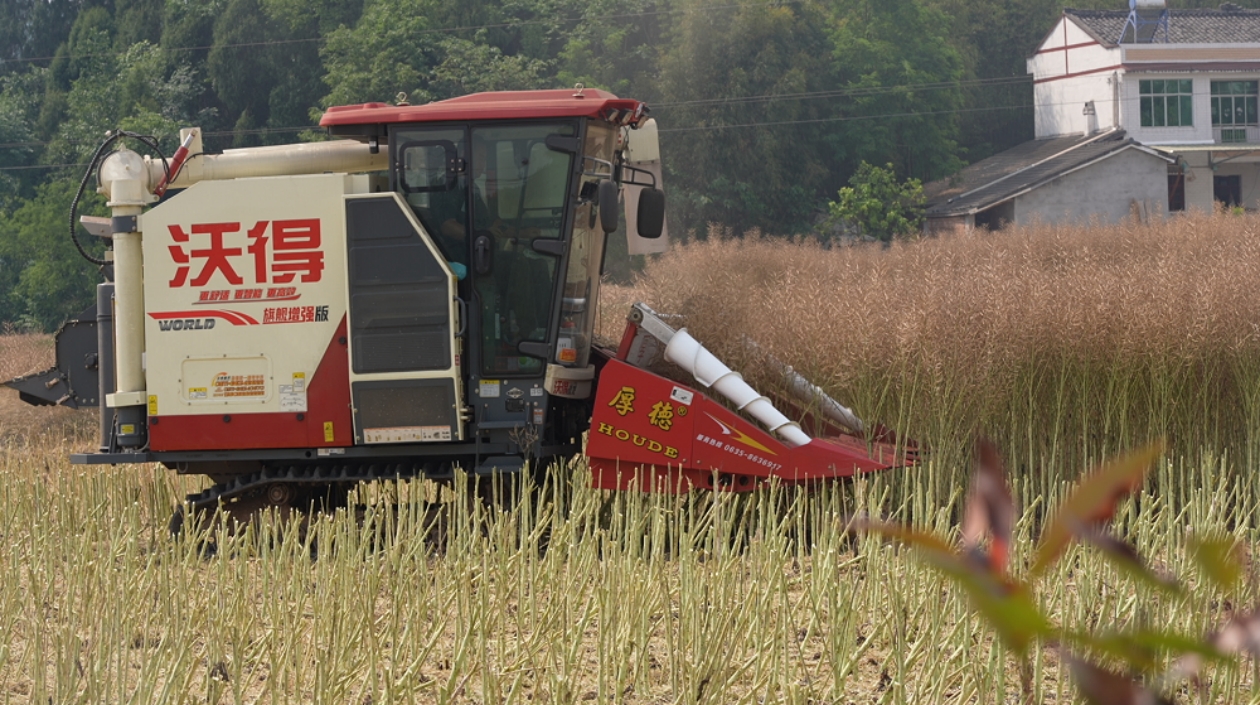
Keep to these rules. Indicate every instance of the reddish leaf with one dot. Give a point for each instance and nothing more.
(989, 509)
(1094, 501)
(1102, 687)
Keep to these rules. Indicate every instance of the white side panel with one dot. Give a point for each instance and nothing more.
(244, 289)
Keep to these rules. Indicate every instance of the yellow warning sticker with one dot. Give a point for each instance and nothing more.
(328, 431)
(152, 405)
(127, 429)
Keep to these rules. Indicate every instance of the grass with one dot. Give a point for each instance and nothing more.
(1064, 344)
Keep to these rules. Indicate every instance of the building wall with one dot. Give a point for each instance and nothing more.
(1069, 69)
(947, 225)
(1200, 181)
(1106, 191)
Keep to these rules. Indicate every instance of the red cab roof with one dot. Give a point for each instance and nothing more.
(503, 105)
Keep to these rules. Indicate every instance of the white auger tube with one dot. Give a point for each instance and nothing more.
(809, 393)
(687, 352)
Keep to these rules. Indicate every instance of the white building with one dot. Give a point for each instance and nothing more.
(1150, 82)
(1183, 82)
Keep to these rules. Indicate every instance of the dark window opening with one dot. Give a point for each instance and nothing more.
(997, 217)
(1176, 192)
(1228, 190)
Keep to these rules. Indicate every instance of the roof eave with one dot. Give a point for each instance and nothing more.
(1109, 43)
(1127, 144)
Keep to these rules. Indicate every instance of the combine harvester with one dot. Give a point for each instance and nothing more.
(413, 297)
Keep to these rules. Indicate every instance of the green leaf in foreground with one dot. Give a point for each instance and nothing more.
(1219, 559)
(1144, 650)
(1094, 501)
(1005, 604)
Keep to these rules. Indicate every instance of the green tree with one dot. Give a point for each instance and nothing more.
(396, 47)
(735, 153)
(43, 280)
(877, 205)
(895, 59)
(19, 147)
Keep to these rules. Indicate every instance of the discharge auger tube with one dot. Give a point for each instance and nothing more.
(807, 392)
(337, 156)
(687, 352)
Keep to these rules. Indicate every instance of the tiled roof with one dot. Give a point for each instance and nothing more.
(1232, 25)
(991, 181)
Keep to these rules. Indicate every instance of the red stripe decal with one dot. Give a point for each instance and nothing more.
(1079, 73)
(236, 318)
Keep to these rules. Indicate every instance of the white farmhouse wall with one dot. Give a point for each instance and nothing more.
(1061, 105)
(1069, 69)
(1105, 191)
(1200, 174)
(1199, 195)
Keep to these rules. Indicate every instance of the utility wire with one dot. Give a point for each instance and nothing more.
(764, 98)
(850, 92)
(699, 128)
(439, 30)
(843, 119)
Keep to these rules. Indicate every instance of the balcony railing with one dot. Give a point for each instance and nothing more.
(1236, 134)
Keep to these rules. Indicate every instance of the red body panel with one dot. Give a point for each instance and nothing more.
(504, 105)
(326, 422)
(652, 433)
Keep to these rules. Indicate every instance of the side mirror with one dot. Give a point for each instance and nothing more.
(609, 191)
(651, 215)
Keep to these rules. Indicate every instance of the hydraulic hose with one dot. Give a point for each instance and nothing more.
(148, 140)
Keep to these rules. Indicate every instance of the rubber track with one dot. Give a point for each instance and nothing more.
(307, 475)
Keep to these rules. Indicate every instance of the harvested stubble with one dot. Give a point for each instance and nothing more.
(621, 598)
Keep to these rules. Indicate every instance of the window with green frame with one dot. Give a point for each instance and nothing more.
(1234, 103)
(1167, 102)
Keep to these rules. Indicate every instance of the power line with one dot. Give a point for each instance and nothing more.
(40, 166)
(216, 133)
(699, 128)
(435, 30)
(852, 118)
(851, 92)
(763, 98)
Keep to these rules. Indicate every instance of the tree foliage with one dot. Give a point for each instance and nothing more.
(877, 205)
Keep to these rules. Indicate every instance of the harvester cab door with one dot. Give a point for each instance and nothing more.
(519, 187)
(404, 319)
